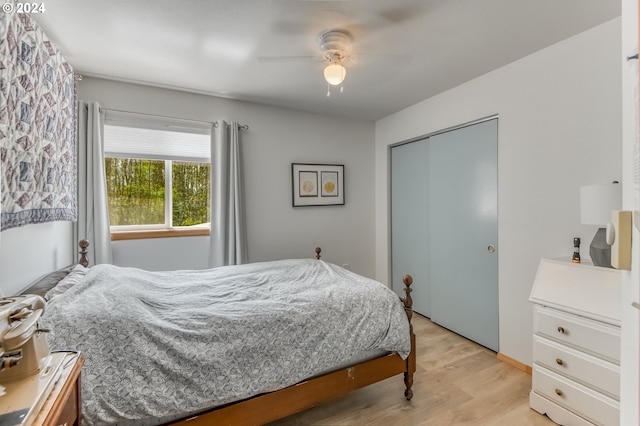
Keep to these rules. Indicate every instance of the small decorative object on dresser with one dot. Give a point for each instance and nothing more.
(576, 250)
(576, 343)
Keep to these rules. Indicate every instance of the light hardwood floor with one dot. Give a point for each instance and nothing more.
(457, 382)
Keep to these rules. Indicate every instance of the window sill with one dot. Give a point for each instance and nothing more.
(159, 233)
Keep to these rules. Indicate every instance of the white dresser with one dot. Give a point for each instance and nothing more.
(576, 343)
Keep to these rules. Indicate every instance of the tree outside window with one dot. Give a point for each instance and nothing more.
(136, 189)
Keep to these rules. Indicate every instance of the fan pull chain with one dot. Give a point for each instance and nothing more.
(329, 89)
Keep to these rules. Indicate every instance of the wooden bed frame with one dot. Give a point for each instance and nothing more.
(276, 405)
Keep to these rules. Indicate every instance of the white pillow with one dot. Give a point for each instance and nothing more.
(73, 278)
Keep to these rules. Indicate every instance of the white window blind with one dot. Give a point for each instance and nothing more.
(129, 135)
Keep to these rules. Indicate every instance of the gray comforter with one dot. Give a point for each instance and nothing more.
(159, 345)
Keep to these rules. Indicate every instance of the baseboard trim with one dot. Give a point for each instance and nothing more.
(514, 363)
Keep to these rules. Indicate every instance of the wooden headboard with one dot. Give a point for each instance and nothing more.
(84, 261)
(45, 283)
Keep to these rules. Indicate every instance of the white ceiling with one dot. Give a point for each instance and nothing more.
(267, 51)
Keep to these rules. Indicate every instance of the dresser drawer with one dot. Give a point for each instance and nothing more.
(594, 337)
(579, 399)
(579, 366)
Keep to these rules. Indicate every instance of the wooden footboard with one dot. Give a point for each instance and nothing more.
(276, 405)
(407, 280)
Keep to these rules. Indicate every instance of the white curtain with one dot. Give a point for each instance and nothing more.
(93, 210)
(228, 228)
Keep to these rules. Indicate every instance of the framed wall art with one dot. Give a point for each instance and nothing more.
(317, 184)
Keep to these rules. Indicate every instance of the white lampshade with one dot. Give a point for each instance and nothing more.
(335, 73)
(597, 202)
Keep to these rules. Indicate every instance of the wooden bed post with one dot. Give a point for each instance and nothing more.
(407, 280)
(318, 250)
(83, 253)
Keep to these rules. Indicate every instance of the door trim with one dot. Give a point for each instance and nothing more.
(441, 131)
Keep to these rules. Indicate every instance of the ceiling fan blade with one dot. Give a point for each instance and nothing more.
(328, 1)
(290, 58)
(374, 26)
(290, 28)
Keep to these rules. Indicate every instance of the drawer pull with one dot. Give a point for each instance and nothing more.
(559, 392)
(561, 330)
(559, 361)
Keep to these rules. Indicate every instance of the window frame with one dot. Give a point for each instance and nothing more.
(185, 231)
(166, 230)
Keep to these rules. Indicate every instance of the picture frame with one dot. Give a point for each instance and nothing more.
(317, 184)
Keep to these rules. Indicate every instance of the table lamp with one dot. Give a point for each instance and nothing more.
(596, 204)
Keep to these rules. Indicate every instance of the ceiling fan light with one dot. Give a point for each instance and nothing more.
(335, 73)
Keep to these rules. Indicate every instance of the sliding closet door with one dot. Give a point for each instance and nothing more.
(410, 221)
(463, 231)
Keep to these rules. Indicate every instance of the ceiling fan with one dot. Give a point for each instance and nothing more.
(349, 31)
(336, 46)
(336, 51)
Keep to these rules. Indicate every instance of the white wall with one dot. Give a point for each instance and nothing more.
(630, 354)
(276, 138)
(31, 251)
(559, 127)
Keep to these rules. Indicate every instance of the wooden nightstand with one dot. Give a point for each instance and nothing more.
(62, 407)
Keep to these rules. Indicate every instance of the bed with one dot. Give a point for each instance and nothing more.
(245, 344)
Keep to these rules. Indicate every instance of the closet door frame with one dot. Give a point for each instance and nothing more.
(400, 265)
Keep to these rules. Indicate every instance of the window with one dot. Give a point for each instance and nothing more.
(158, 175)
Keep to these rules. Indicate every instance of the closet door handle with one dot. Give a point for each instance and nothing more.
(491, 248)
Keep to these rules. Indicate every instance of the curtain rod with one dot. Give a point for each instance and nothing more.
(214, 123)
(157, 116)
(240, 126)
